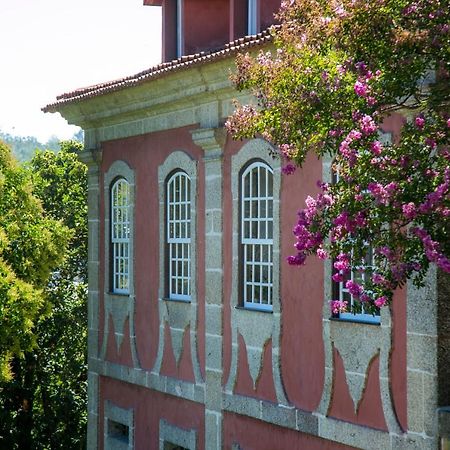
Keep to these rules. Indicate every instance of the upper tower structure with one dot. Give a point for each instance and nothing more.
(194, 26)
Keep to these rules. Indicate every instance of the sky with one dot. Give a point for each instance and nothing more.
(49, 47)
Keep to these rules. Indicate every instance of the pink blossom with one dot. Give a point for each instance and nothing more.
(361, 89)
(354, 288)
(364, 298)
(376, 147)
(378, 279)
(409, 210)
(338, 306)
(430, 142)
(342, 262)
(368, 125)
(296, 260)
(321, 253)
(288, 169)
(337, 277)
(380, 301)
(420, 122)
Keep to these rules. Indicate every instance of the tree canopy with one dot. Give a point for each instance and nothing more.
(339, 69)
(43, 392)
(31, 245)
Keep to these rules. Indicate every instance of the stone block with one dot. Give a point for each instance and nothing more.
(113, 370)
(240, 404)
(93, 274)
(213, 249)
(140, 377)
(93, 393)
(93, 238)
(180, 388)
(213, 352)
(422, 353)
(199, 393)
(93, 343)
(213, 198)
(306, 422)
(213, 391)
(93, 182)
(415, 402)
(213, 430)
(430, 404)
(278, 414)
(213, 286)
(213, 322)
(413, 442)
(92, 431)
(93, 315)
(156, 382)
(353, 435)
(420, 299)
(214, 218)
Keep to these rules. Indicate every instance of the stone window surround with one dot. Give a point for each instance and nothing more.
(171, 434)
(244, 176)
(117, 240)
(118, 306)
(255, 326)
(250, 153)
(122, 416)
(118, 169)
(178, 314)
(177, 161)
(177, 239)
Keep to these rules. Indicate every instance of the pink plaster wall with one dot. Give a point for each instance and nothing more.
(302, 348)
(144, 154)
(370, 409)
(267, 9)
(252, 434)
(264, 388)
(149, 407)
(206, 25)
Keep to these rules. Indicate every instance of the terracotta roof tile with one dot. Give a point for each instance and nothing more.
(236, 46)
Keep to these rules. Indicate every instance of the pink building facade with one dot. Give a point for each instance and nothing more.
(200, 335)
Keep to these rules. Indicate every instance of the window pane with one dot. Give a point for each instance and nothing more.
(257, 231)
(179, 230)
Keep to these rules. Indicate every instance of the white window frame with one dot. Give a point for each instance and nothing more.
(252, 18)
(262, 242)
(178, 235)
(342, 290)
(120, 236)
(180, 28)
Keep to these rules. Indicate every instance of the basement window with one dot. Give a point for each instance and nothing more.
(118, 431)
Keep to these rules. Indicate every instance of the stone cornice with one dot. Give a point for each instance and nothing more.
(164, 97)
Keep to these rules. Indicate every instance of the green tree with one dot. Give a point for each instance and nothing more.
(60, 412)
(340, 67)
(31, 246)
(44, 405)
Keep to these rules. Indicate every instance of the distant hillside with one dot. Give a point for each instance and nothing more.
(24, 147)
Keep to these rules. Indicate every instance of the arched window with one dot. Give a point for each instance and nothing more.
(120, 236)
(178, 232)
(257, 236)
(359, 275)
